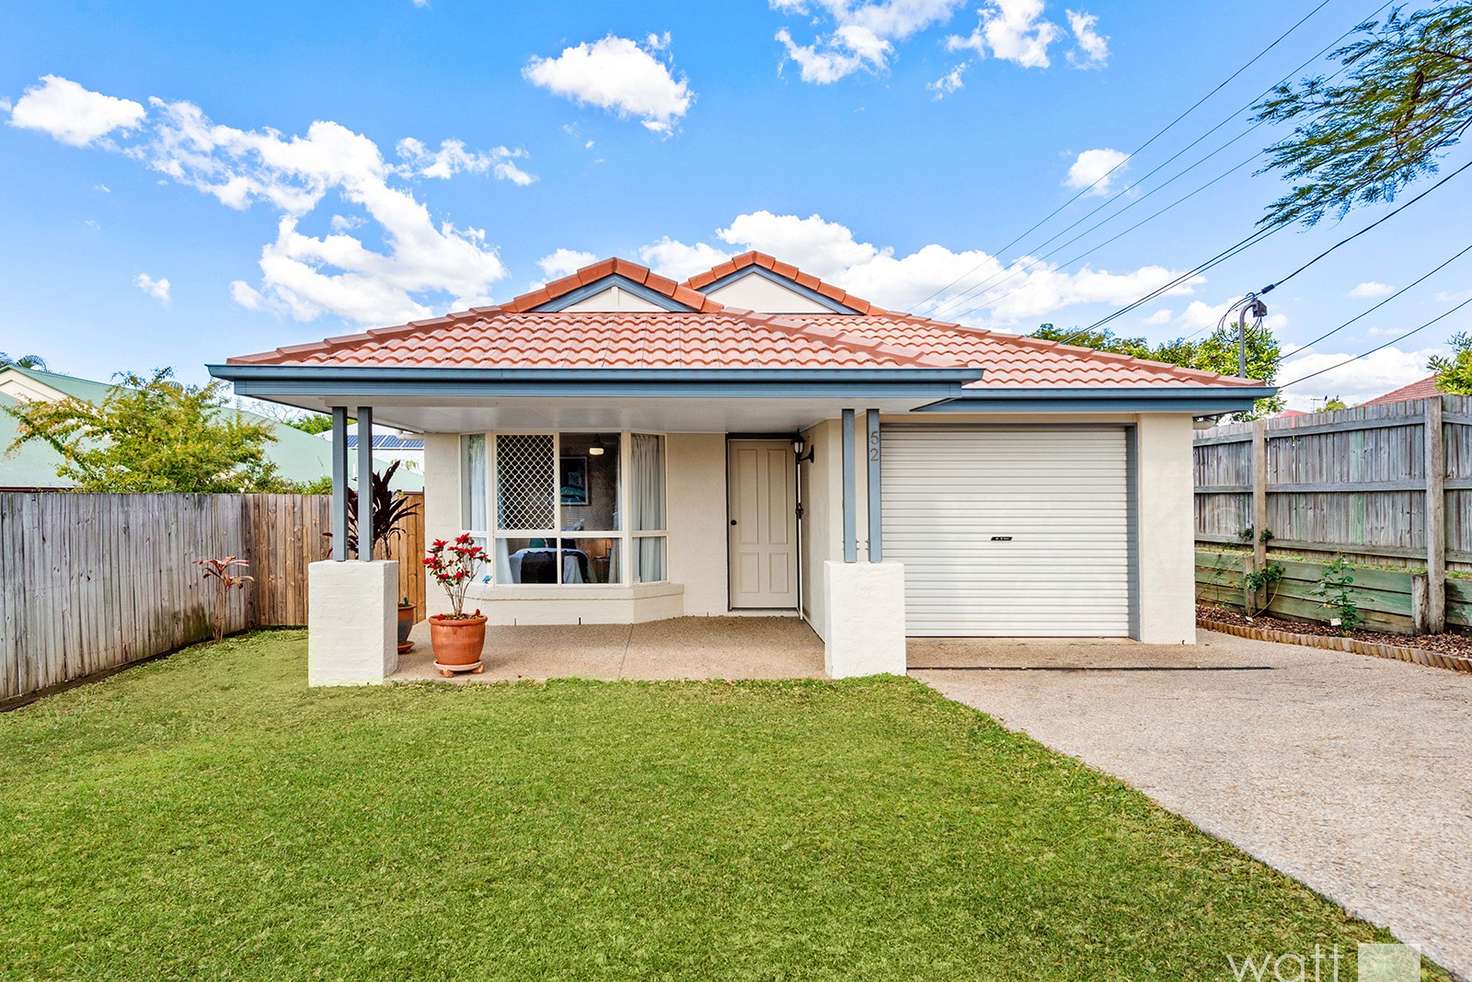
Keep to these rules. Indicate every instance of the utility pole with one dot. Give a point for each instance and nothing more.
(1259, 310)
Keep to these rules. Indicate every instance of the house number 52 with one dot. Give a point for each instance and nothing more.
(874, 446)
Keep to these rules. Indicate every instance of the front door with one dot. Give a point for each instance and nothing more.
(761, 478)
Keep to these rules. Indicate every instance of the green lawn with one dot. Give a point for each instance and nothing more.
(209, 815)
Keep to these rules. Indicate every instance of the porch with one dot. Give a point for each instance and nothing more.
(678, 648)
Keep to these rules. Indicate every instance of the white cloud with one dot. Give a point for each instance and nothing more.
(1021, 292)
(1010, 30)
(93, 224)
(862, 36)
(619, 75)
(950, 82)
(452, 158)
(158, 289)
(1161, 316)
(1093, 47)
(1200, 316)
(1096, 170)
(102, 189)
(245, 295)
(1454, 296)
(678, 260)
(424, 264)
(564, 261)
(1371, 288)
(72, 114)
(1356, 382)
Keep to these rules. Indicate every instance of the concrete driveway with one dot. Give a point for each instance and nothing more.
(1349, 773)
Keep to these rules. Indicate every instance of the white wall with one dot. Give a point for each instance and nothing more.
(1167, 548)
(696, 503)
(613, 298)
(756, 292)
(441, 502)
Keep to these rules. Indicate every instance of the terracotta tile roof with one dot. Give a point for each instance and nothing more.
(492, 338)
(702, 280)
(610, 267)
(1011, 360)
(1421, 389)
(510, 335)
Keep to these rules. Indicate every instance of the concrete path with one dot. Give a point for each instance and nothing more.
(1349, 773)
(682, 648)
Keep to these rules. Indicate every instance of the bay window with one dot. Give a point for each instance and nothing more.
(569, 508)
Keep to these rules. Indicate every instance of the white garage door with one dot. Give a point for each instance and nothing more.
(1009, 532)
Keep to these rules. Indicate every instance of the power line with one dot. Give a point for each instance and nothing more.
(1109, 241)
(1438, 318)
(1370, 310)
(1161, 132)
(1348, 239)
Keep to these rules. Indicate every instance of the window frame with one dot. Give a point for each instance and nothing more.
(624, 537)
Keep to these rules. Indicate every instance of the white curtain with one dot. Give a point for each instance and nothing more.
(473, 483)
(648, 494)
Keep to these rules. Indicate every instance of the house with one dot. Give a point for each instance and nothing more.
(298, 456)
(387, 447)
(1421, 389)
(757, 441)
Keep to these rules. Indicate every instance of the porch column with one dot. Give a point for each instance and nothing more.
(865, 601)
(850, 531)
(339, 483)
(365, 483)
(352, 608)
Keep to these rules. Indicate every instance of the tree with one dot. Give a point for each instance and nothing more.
(314, 424)
(1454, 374)
(24, 361)
(1406, 101)
(1334, 404)
(153, 435)
(1217, 352)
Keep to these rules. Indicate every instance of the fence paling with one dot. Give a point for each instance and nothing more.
(93, 582)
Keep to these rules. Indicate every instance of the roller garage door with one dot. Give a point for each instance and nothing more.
(1009, 532)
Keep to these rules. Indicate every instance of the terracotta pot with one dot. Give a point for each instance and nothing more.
(457, 642)
(406, 620)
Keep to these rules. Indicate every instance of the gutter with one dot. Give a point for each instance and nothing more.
(1199, 400)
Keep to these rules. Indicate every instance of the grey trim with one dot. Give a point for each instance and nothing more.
(850, 534)
(1198, 403)
(365, 484)
(874, 454)
(339, 483)
(607, 282)
(781, 281)
(1132, 522)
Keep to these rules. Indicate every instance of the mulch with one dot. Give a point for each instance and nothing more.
(1447, 643)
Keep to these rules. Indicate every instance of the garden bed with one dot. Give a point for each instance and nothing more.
(1454, 649)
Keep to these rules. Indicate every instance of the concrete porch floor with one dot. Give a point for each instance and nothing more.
(682, 648)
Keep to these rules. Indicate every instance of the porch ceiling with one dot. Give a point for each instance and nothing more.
(665, 415)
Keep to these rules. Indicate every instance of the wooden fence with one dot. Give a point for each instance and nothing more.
(92, 582)
(1376, 483)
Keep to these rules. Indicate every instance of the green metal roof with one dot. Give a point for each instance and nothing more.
(298, 456)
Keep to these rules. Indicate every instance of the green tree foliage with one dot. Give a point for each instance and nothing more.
(153, 435)
(1404, 99)
(23, 361)
(1216, 352)
(315, 423)
(1454, 374)
(1334, 404)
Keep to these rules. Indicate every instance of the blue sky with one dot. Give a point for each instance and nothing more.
(253, 159)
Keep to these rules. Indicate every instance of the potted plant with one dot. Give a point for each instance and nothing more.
(456, 637)
(390, 507)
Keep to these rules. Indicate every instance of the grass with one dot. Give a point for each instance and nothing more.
(209, 815)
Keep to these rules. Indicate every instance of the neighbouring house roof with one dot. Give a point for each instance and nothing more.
(1421, 389)
(523, 334)
(1290, 414)
(298, 456)
(388, 441)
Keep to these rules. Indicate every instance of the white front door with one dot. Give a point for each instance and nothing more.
(761, 478)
